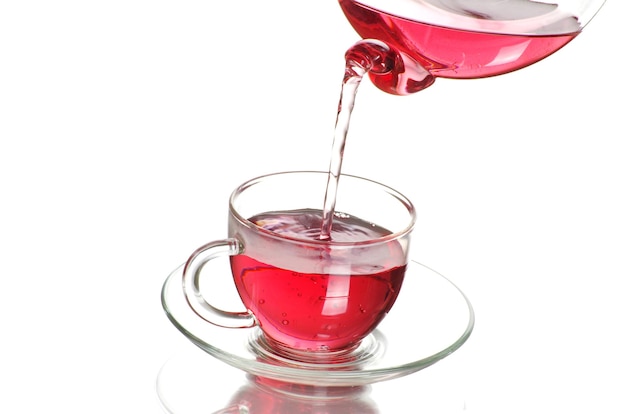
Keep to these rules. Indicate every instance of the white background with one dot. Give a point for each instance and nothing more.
(124, 125)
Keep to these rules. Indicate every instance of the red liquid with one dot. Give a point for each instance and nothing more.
(449, 52)
(314, 311)
(319, 311)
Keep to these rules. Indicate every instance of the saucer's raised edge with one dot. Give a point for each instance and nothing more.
(324, 378)
(468, 330)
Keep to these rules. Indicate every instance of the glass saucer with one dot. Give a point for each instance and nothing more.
(430, 320)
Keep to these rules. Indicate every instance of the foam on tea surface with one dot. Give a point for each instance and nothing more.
(306, 224)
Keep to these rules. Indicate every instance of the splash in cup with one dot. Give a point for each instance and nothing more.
(308, 296)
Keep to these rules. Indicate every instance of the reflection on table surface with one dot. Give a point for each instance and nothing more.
(259, 395)
(194, 382)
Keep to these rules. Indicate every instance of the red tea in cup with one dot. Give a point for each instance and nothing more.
(317, 299)
(306, 294)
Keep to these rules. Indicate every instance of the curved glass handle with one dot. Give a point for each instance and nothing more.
(191, 285)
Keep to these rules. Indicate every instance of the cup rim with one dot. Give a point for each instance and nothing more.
(384, 239)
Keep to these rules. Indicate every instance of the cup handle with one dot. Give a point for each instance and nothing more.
(191, 285)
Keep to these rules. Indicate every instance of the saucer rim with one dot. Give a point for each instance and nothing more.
(318, 377)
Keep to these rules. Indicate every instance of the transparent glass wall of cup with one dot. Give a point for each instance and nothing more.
(308, 296)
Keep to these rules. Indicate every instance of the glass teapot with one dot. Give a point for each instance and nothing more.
(419, 40)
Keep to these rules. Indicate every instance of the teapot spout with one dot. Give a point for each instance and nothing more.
(390, 70)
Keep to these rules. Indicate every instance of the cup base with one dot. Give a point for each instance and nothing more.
(370, 348)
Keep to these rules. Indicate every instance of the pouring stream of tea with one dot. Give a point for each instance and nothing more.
(365, 56)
